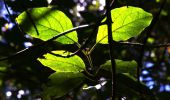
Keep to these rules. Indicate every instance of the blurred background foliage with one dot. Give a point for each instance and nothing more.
(22, 77)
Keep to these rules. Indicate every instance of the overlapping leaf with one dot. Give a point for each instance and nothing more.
(127, 22)
(49, 22)
(121, 66)
(67, 76)
(61, 83)
(60, 64)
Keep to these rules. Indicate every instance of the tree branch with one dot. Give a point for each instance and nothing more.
(111, 48)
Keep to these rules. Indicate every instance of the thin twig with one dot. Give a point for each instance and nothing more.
(85, 43)
(12, 19)
(28, 14)
(71, 30)
(48, 41)
(6, 7)
(149, 46)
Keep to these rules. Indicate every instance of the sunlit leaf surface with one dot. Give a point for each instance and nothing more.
(60, 64)
(127, 22)
(49, 22)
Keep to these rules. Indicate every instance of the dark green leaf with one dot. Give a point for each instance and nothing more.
(121, 66)
(62, 83)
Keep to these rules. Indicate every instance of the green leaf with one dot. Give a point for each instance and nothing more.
(62, 83)
(60, 64)
(127, 22)
(121, 66)
(49, 23)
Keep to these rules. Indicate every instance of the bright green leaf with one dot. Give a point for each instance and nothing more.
(49, 23)
(127, 22)
(121, 66)
(60, 64)
(62, 83)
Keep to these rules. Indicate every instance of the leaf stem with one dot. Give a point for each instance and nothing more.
(90, 60)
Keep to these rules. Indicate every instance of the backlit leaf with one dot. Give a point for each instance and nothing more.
(127, 22)
(49, 23)
(60, 64)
